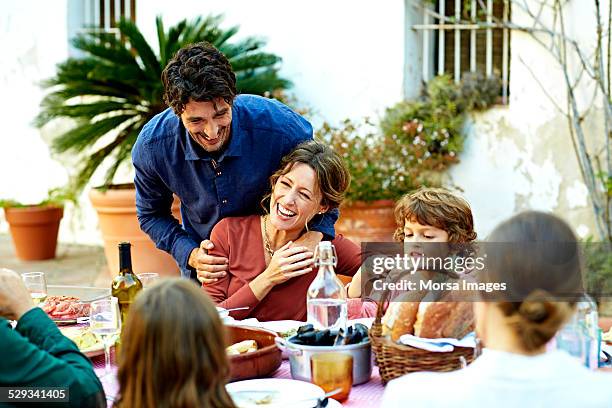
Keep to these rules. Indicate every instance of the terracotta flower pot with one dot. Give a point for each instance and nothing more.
(116, 209)
(367, 222)
(34, 230)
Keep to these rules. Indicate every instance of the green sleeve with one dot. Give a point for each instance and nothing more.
(36, 353)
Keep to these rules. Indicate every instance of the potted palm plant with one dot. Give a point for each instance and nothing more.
(110, 93)
(34, 227)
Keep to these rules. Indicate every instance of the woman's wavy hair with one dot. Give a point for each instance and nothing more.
(173, 350)
(439, 208)
(537, 256)
(198, 72)
(333, 177)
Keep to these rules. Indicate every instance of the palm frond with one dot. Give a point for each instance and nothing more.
(123, 152)
(105, 48)
(225, 36)
(142, 49)
(87, 133)
(161, 38)
(95, 160)
(253, 61)
(84, 89)
(244, 46)
(172, 43)
(84, 110)
(261, 82)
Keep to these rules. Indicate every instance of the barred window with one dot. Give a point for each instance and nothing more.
(463, 35)
(103, 15)
(97, 16)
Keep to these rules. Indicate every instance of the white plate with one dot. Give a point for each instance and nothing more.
(332, 403)
(279, 392)
(71, 332)
(282, 326)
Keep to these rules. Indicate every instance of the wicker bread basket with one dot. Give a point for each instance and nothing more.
(394, 360)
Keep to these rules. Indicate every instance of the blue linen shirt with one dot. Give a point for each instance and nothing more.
(212, 187)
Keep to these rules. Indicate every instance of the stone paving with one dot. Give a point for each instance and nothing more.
(82, 265)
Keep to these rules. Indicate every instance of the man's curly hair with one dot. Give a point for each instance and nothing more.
(198, 72)
(439, 208)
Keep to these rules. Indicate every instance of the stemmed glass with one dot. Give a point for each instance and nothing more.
(105, 322)
(148, 279)
(36, 284)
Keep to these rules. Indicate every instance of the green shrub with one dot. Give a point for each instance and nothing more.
(416, 140)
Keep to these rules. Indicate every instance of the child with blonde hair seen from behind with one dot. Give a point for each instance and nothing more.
(426, 215)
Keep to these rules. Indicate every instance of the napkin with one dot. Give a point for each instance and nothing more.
(441, 345)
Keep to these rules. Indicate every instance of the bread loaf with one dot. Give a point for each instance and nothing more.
(399, 319)
(428, 319)
(245, 346)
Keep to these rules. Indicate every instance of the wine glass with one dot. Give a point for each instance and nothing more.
(148, 279)
(105, 322)
(36, 283)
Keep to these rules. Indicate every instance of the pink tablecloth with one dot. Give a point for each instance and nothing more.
(364, 395)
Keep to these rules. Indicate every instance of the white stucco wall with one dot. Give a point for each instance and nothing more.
(32, 41)
(520, 156)
(345, 57)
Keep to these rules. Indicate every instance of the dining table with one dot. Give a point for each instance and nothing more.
(368, 394)
(362, 395)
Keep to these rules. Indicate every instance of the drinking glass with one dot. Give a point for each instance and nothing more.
(105, 322)
(331, 371)
(148, 279)
(36, 283)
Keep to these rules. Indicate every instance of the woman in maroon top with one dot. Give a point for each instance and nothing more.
(267, 271)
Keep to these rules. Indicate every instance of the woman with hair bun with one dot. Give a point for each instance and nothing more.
(539, 259)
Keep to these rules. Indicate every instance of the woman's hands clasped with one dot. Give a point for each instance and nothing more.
(286, 263)
(289, 262)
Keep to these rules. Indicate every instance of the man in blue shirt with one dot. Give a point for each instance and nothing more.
(214, 150)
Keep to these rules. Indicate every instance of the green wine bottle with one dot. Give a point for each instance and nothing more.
(126, 284)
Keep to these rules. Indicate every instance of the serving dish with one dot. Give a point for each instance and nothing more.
(262, 362)
(64, 309)
(274, 392)
(76, 333)
(299, 358)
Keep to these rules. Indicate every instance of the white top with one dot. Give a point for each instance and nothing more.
(500, 379)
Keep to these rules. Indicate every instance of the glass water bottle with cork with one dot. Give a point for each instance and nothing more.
(326, 297)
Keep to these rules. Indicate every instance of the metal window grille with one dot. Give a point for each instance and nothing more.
(103, 15)
(461, 35)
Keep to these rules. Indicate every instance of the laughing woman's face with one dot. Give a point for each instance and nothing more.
(295, 198)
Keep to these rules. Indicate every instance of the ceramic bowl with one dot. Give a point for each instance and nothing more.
(258, 363)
